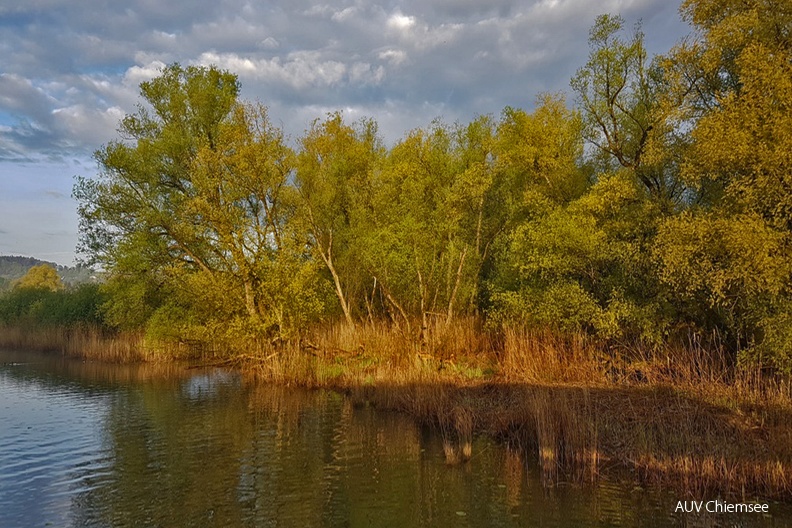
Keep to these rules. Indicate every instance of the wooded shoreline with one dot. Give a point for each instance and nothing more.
(603, 284)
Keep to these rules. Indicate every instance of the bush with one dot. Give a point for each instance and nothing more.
(45, 307)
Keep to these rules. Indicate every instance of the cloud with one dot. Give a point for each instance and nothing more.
(297, 71)
(393, 56)
(400, 22)
(73, 68)
(18, 96)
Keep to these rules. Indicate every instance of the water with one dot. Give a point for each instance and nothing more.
(88, 444)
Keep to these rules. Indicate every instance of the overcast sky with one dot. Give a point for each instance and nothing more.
(70, 70)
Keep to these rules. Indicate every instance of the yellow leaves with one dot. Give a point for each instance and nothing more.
(609, 196)
(43, 277)
(726, 259)
(559, 245)
(544, 147)
(746, 143)
(729, 25)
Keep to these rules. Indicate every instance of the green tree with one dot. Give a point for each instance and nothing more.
(726, 262)
(621, 96)
(334, 178)
(584, 266)
(416, 249)
(42, 277)
(191, 213)
(131, 219)
(474, 195)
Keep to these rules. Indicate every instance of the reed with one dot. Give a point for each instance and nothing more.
(682, 416)
(87, 342)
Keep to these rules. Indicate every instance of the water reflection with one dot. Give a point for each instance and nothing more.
(87, 444)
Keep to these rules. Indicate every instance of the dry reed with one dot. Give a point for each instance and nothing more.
(85, 342)
(683, 415)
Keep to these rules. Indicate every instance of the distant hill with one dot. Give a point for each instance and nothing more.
(13, 267)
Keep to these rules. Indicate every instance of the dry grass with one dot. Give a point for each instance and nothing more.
(85, 342)
(682, 416)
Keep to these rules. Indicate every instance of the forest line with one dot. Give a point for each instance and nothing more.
(654, 210)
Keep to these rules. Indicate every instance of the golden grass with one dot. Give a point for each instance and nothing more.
(680, 416)
(85, 342)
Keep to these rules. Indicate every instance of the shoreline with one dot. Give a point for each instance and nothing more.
(556, 401)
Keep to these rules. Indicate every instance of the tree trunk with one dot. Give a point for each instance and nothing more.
(327, 257)
(339, 290)
(250, 301)
(395, 304)
(456, 288)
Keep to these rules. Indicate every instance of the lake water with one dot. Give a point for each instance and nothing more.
(90, 444)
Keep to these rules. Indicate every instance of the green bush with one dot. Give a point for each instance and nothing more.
(45, 307)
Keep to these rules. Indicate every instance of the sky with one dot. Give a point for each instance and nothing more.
(69, 71)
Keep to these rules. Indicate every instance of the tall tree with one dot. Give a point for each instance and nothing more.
(620, 94)
(191, 208)
(727, 262)
(334, 178)
(416, 249)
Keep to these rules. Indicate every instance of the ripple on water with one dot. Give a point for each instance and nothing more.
(51, 448)
(200, 448)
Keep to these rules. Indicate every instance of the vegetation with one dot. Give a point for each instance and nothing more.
(654, 213)
(643, 237)
(13, 268)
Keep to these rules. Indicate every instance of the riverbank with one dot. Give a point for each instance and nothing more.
(681, 418)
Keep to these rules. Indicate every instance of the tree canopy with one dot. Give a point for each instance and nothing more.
(41, 277)
(658, 207)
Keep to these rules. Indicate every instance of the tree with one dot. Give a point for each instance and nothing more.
(334, 178)
(402, 253)
(416, 248)
(621, 98)
(41, 277)
(130, 215)
(584, 265)
(726, 261)
(191, 213)
(737, 81)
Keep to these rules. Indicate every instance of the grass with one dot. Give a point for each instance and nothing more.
(84, 341)
(681, 416)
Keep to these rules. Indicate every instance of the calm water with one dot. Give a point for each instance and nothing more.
(87, 444)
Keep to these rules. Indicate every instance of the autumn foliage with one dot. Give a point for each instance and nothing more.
(658, 210)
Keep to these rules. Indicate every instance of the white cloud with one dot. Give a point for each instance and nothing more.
(298, 70)
(400, 22)
(344, 14)
(138, 74)
(393, 56)
(320, 10)
(84, 124)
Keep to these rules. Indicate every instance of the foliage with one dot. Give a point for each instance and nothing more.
(41, 277)
(334, 178)
(624, 118)
(727, 262)
(14, 267)
(584, 266)
(658, 210)
(79, 305)
(191, 213)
